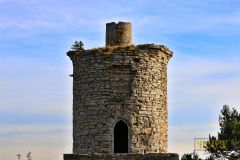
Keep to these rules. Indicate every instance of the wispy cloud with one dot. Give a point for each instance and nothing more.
(44, 141)
(199, 87)
(181, 138)
(203, 73)
(32, 89)
(44, 16)
(184, 17)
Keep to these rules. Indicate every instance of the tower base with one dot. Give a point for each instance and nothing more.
(122, 156)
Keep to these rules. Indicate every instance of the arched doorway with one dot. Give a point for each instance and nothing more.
(120, 137)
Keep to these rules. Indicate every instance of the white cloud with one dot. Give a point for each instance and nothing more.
(60, 14)
(43, 141)
(204, 81)
(51, 16)
(181, 138)
(35, 87)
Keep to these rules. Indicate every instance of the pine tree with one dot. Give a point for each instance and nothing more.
(190, 156)
(227, 144)
(77, 46)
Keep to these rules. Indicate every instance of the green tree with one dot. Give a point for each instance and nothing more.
(227, 143)
(210, 158)
(78, 46)
(190, 156)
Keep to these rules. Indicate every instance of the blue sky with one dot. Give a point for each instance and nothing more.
(36, 91)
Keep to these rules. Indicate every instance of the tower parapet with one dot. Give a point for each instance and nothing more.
(118, 34)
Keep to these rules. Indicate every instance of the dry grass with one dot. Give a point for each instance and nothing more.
(112, 49)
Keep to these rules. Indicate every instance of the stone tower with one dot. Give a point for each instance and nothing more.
(120, 99)
(119, 34)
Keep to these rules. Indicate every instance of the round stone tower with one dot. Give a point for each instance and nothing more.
(120, 97)
(118, 34)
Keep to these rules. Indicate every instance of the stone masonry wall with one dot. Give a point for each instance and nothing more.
(122, 83)
(151, 156)
(118, 34)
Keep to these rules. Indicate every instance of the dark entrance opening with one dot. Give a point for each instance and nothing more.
(121, 137)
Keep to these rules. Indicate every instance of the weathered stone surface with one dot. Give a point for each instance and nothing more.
(122, 83)
(150, 156)
(118, 34)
